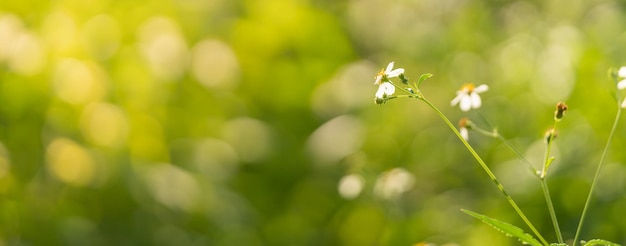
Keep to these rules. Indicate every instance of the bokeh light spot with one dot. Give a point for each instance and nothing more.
(104, 124)
(393, 183)
(163, 47)
(555, 75)
(173, 187)
(214, 64)
(332, 99)
(215, 158)
(350, 186)
(70, 162)
(10, 28)
(251, 138)
(59, 32)
(77, 82)
(28, 56)
(102, 35)
(336, 139)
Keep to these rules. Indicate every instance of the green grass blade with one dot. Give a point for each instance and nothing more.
(600, 242)
(506, 228)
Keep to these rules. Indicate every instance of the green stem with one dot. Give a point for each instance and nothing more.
(508, 145)
(519, 155)
(595, 178)
(546, 159)
(492, 134)
(555, 222)
(541, 176)
(486, 169)
(544, 184)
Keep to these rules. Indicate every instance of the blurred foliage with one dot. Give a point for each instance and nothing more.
(223, 122)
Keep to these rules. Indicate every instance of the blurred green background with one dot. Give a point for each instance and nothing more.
(224, 122)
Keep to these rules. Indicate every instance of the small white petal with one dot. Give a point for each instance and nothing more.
(622, 72)
(622, 84)
(464, 133)
(481, 88)
(476, 102)
(385, 89)
(389, 68)
(378, 79)
(457, 99)
(624, 104)
(466, 103)
(395, 73)
(380, 92)
(389, 88)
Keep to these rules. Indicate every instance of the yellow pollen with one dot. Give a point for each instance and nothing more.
(469, 87)
(381, 73)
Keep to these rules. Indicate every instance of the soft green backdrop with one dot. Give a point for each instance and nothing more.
(225, 122)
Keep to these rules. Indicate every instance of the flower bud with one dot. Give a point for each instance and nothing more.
(404, 79)
(379, 100)
(465, 123)
(561, 109)
(464, 126)
(550, 135)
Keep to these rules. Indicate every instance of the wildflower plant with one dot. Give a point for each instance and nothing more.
(468, 98)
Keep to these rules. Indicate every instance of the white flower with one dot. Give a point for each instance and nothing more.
(467, 97)
(388, 73)
(384, 90)
(464, 125)
(622, 83)
(464, 133)
(350, 186)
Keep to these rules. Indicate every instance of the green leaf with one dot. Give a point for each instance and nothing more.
(550, 162)
(423, 77)
(599, 242)
(558, 244)
(506, 228)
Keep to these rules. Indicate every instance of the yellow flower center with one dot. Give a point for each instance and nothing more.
(381, 73)
(469, 87)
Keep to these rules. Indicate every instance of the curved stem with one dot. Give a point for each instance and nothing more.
(487, 170)
(544, 184)
(541, 175)
(509, 145)
(555, 222)
(595, 177)
(519, 155)
(546, 160)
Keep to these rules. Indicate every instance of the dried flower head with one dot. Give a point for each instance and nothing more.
(561, 109)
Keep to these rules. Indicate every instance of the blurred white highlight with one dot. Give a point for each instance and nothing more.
(350, 186)
(336, 139)
(393, 183)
